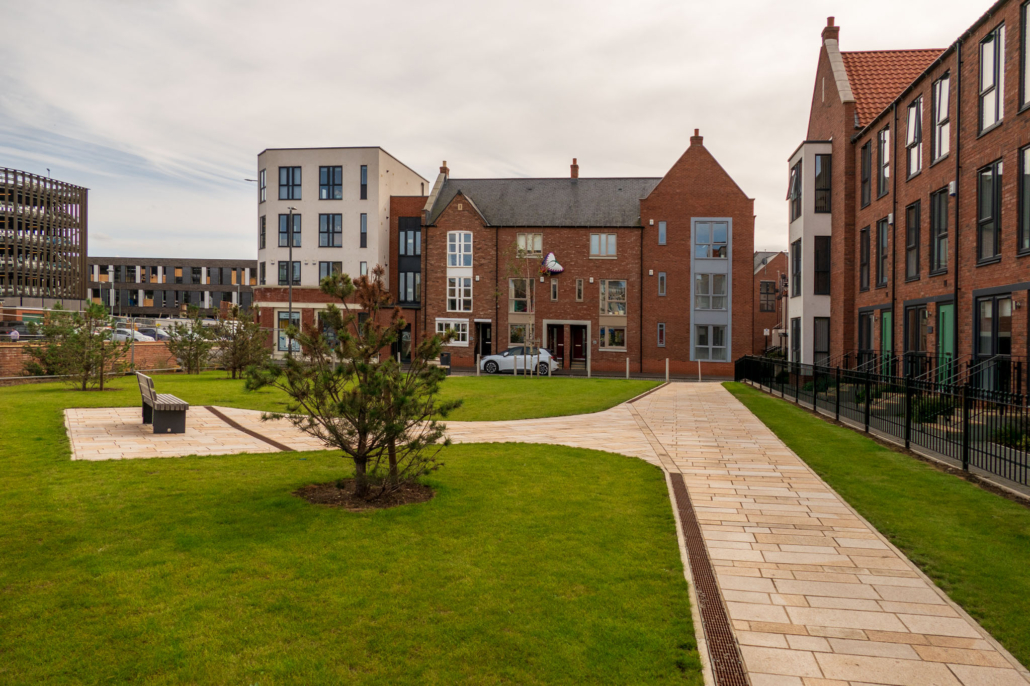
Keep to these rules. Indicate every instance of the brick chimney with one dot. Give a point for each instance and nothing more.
(575, 168)
(830, 32)
(444, 170)
(697, 138)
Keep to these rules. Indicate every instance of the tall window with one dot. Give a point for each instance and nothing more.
(363, 268)
(867, 171)
(883, 161)
(992, 78)
(823, 183)
(459, 294)
(330, 230)
(794, 193)
(795, 339)
(262, 186)
(820, 340)
(795, 268)
(939, 231)
(613, 297)
(330, 183)
(194, 274)
(554, 289)
(459, 249)
(767, 296)
(284, 320)
(988, 211)
(916, 329)
(530, 244)
(1024, 63)
(661, 334)
(661, 283)
(579, 290)
(261, 273)
(863, 259)
(821, 268)
(912, 220)
(941, 142)
(284, 236)
(520, 295)
(289, 183)
(710, 239)
(602, 245)
(882, 252)
(710, 342)
(284, 272)
(710, 291)
(914, 136)
(410, 243)
(364, 182)
(1023, 242)
(409, 287)
(661, 233)
(364, 230)
(261, 233)
(328, 269)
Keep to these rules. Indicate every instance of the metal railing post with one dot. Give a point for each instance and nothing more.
(965, 427)
(908, 410)
(666, 370)
(797, 381)
(868, 394)
(836, 397)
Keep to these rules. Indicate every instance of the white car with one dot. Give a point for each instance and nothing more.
(518, 358)
(126, 334)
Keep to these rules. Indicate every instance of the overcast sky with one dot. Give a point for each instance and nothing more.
(160, 108)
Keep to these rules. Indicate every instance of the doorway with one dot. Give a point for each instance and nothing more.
(578, 358)
(556, 343)
(484, 338)
(945, 342)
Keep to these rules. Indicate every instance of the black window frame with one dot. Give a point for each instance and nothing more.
(330, 182)
(914, 137)
(994, 206)
(997, 87)
(290, 189)
(1023, 237)
(883, 161)
(409, 243)
(409, 281)
(821, 266)
(767, 296)
(795, 268)
(284, 237)
(866, 173)
(330, 230)
(939, 231)
(823, 184)
(913, 239)
(863, 259)
(941, 125)
(327, 268)
(363, 232)
(262, 273)
(262, 185)
(1024, 63)
(820, 355)
(883, 251)
(794, 193)
(262, 232)
(795, 339)
(364, 182)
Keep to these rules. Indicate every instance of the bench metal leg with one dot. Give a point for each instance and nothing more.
(148, 414)
(169, 421)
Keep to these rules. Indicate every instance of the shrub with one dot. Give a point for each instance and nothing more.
(1013, 434)
(928, 409)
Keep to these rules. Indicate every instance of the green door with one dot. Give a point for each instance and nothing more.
(945, 341)
(887, 342)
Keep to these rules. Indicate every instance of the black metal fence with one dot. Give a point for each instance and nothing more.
(980, 427)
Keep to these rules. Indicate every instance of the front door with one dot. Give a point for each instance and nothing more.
(556, 343)
(945, 342)
(484, 344)
(994, 343)
(886, 342)
(579, 342)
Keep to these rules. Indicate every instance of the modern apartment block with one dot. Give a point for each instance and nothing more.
(336, 204)
(909, 242)
(770, 302)
(43, 239)
(165, 287)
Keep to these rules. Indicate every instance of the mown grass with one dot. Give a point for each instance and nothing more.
(975, 545)
(532, 565)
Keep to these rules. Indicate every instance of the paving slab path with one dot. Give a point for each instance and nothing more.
(815, 595)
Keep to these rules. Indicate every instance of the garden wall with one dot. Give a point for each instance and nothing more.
(13, 357)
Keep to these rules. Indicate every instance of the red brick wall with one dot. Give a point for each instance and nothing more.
(770, 271)
(13, 357)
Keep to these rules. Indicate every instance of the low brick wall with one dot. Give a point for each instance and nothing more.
(13, 357)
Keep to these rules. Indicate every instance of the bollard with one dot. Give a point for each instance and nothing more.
(699, 371)
(627, 367)
(588, 366)
(479, 359)
(666, 370)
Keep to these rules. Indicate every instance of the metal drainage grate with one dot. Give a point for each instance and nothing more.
(727, 665)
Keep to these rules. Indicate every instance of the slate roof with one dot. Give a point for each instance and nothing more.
(550, 202)
(877, 77)
(762, 257)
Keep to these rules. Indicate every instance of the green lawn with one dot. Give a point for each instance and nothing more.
(975, 545)
(533, 564)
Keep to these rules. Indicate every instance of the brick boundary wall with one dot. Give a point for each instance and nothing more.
(13, 357)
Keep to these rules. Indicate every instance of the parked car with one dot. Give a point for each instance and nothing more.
(155, 333)
(7, 327)
(128, 334)
(517, 358)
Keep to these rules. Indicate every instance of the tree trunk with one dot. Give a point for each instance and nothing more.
(360, 479)
(392, 452)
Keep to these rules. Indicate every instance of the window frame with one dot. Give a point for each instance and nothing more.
(262, 185)
(262, 273)
(863, 259)
(996, 168)
(330, 230)
(554, 289)
(262, 232)
(712, 245)
(661, 334)
(528, 300)
(283, 341)
(882, 252)
(461, 326)
(914, 137)
(607, 303)
(766, 296)
(796, 265)
(823, 183)
(1023, 233)
(940, 92)
(866, 173)
(610, 251)
(409, 243)
(996, 90)
(409, 282)
(710, 345)
(710, 292)
(662, 284)
(938, 263)
(459, 250)
(604, 344)
(579, 290)
(913, 241)
(291, 190)
(795, 192)
(821, 267)
(328, 268)
(284, 220)
(533, 240)
(1024, 63)
(330, 182)
(820, 356)
(363, 231)
(459, 293)
(883, 161)
(364, 182)
(662, 233)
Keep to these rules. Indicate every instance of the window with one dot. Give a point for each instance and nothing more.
(602, 245)
(289, 183)
(941, 123)
(459, 249)
(820, 340)
(409, 286)
(328, 268)
(178, 275)
(363, 268)
(194, 274)
(1023, 244)
(916, 322)
(709, 291)
(710, 239)
(710, 343)
(612, 338)
(1024, 63)
(554, 289)
(284, 320)
(863, 260)
(364, 230)
(284, 238)
(330, 183)
(261, 233)
(882, 253)
(364, 188)
(883, 161)
(988, 211)
(520, 295)
(823, 183)
(661, 234)
(865, 331)
(517, 334)
(795, 339)
(284, 268)
(330, 230)
(261, 274)
(579, 290)
(914, 137)
(795, 268)
(767, 296)
(794, 192)
(530, 244)
(661, 334)
(459, 327)
(459, 294)
(410, 243)
(821, 271)
(661, 283)
(867, 171)
(992, 78)
(613, 297)
(939, 231)
(912, 219)
(262, 186)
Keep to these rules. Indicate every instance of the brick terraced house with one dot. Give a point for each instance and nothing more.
(909, 207)
(770, 301)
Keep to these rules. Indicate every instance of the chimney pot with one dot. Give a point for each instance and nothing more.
(832, 31)
(444, 170)
(829, 21)
(575, 168)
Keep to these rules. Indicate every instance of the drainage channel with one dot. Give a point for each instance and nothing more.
(239, 427)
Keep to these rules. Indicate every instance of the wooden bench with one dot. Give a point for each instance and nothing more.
(166, 412)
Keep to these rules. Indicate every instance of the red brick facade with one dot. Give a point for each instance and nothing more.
(13, 357)
(772, 272)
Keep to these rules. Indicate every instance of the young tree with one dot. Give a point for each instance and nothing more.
(79, 346)
(521, 269)
(191, 342)
(241, 341)
(344, 392)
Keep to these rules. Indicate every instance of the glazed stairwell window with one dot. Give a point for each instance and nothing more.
(530, 244)
(883, 161)
(613, 297)
(939, 232)
(992, 78)
(602, 245)
(710, 343)
(710, 239)
(988, 223)
(914, 137)
(459, 294)
(794, 192)
(459, 249)
(520, 295)
(709, 291)
(941, 142)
